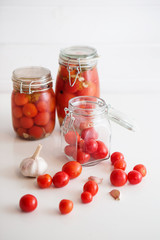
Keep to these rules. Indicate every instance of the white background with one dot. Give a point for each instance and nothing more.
(126, 34)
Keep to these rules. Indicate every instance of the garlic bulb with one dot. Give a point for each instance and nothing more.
(33, 166)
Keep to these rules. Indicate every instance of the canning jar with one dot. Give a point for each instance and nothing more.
(77, 76)
(86, 130)
(33, 102)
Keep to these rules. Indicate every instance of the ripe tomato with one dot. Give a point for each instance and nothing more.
(21, 131)
(86, 197)
(42, 106)
(16, 122)
(69, 150)
(73, 169)
(141, 168)
(80, 156)
(49, 126)
(60, 179)
(20, 99)
(28, 203)
(29, 110)
(116, 156)
(17, 112)
(44, 181)
(71, 137)
(65, 206)
(90, 146)
(42, 118)
(91, 186)
(26, 122)
(118, 177)
(81, 144)
(134, 177)
(36, 132)
(89, 133)
(120, 164)
(101, 152)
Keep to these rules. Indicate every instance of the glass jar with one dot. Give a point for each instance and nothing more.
(33, 103)
(86, 130)
(77, 76)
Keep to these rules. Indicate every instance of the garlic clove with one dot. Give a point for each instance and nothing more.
(33, 166)
(115, 194)
(96, 179)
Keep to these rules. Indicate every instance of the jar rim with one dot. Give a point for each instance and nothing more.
(87, 105)
(84, 56)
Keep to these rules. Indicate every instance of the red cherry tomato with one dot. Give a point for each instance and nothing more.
(118, 177)
(81, 144)
(89, 133)
(86, 197)
(42, 106)
(69, 150)
(90, 146)
(26, 122)
(120, 164)
(49, 126)
(28, 203)
(116, 156)
(81, 157)
(71, 137)
(73, 169)
(65, 206)
(20, 99)
(17, 112)
(101, 152)
(21, 131)
(36, 132)
(141, 168)
(44, 181)
(60, 179)
(134, 177)
(91, 186)
(42, 118)
(29, 110)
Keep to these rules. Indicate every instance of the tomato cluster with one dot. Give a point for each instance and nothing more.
(87, 84)
(119, 177)
(90, 189)
(86, 146)
(33, 115)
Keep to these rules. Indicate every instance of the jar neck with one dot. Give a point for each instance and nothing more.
(87, 106)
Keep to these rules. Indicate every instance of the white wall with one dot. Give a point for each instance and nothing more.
(126, 34)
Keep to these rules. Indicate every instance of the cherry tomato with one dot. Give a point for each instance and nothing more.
(16, 122)
(20, 99)
(69, 150)
(60, 179)
(42, 118)
(49, 126)
(51, 104)
(28, 203)
(73, 169)
(44, 181)
(91, 186)
(42, 106)
(17, 112)
(86, 197)
(101, 152)
(36, 132)
(81, 144)
(26, 122)
(90, 146)
(120, 164)
(89, 133)
(71, 137)
(65, 206)
(80, 156)
(45, 96)
(116, 156)
(118, 177)
(21, 131)
(29, 110)
(134, 177)
(141, 168)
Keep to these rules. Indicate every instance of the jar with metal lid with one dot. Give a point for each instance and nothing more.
(77, 76)
(33, 102)
(86, 129)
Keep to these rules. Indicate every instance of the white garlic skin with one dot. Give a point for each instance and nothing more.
(30, 167)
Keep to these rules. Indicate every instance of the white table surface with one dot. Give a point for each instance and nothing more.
(135, 216)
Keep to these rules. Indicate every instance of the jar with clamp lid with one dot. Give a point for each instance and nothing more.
(77, 76)
(86, 129)
(33, 103)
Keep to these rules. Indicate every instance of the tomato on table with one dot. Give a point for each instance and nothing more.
(72, 168)
(134, 177)
(65, 206)
(120, 164)
(118, 177)
(86, 197)
(141, 168)
(60, 179)
(81, 156)
(116, 156)
(91, 186)
(101, 152)
(30, 110)
(44, 181)
(28, 203)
